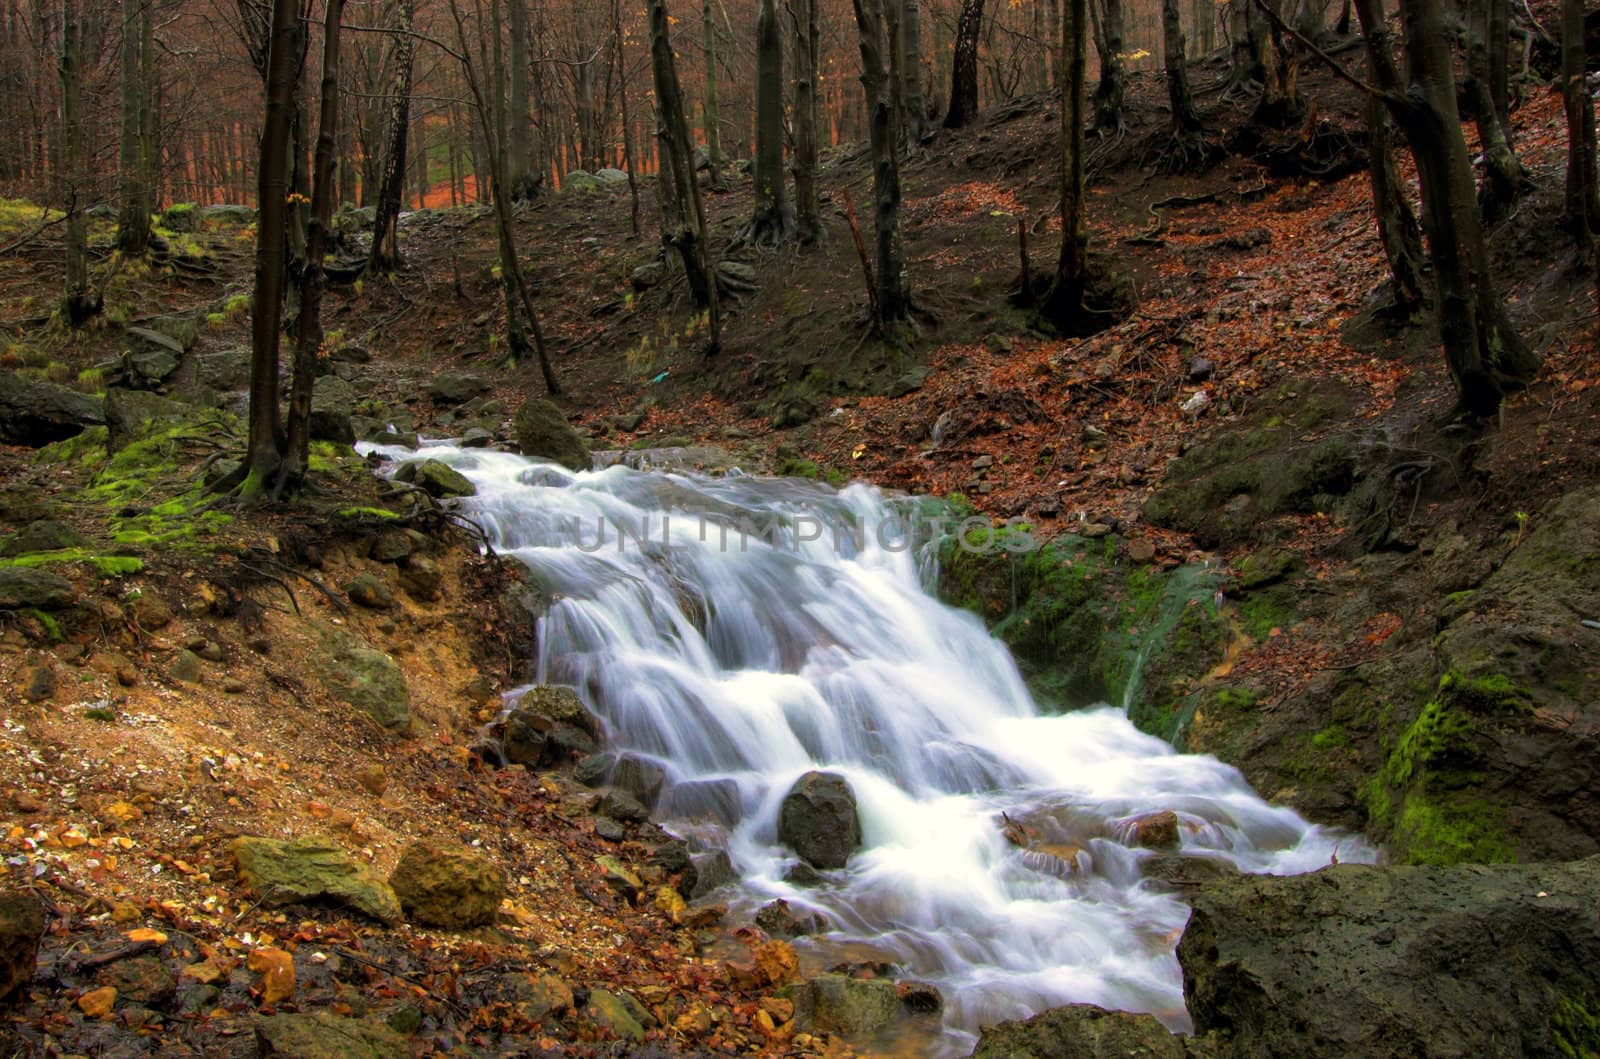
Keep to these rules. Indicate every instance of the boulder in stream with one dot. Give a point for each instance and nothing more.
(818, 820)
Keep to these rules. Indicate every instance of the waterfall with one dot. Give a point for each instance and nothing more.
(742, 631)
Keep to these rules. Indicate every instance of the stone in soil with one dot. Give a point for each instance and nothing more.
(442, 884)
(309, 870)
(322, 1035)
(21, 927)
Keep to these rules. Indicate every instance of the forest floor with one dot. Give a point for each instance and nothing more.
(122, 782)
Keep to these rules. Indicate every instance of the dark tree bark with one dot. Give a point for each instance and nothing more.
(964, 66)
(1185, 118)
(1582, 202)
(1504, 178)
(1109, 115)
(808, 214)
(709, 101)
(1486, 356)
(687, 234)
(523, 184)
(137, 147)
(773, 220)
(1063, 302)
(77, 304)
(893, 289)
(265, 446)
(385, 255)
(1397, 225)
(627, 121)
(914, 108)
(308, 326)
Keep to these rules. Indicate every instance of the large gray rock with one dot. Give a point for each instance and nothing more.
(310, 870)
(612, 178)
(579, 181)
(818, 820)
(332, 403)
(36, 413)
(130, 413)
(23, 587)
(546, 720)
(543, 433)
(836, 1003)
(435, 478)
(21, 927)
(367, 679)
(222, 369)
(149, 358)
(451, 388)
(41, 535)
(1398, 962)
(1080, 1032)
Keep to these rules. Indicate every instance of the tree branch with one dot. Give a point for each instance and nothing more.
(1332, 63)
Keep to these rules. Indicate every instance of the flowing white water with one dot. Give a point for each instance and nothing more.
(739, 663)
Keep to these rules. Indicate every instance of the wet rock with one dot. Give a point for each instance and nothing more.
(143, 980)
(422, 579)
(537, 996)
(1155, 830)
(21, 927)
(186, 668)
(1398, 961)
(310, 870)
(370, 591)
(35, 413)
(919, 998)
(713, 871)
(404, 439)
(548, 723)
(640, 777)
(476, 438)
(446, 885)
(332, 404)
(610, 830)
(617, 1012)
(620, 805)
(322, 1035)
(543, 433)
(780, 920)
(818, 820)
(835, 1003)
(776, 963)
(450, 388)
(594, 770)
(390, 546)
(437, 479)
(369, 680)
(1180, 871)
(41, 535)
(34, 588)
(1081, 1030)
(620, 877)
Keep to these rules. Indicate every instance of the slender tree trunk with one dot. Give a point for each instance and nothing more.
(1397, 225)
(133, 222)
(773, 220)
(688, 233)
(520, 142)
(627, 121)
(77, 304)
(1504, 176)
(894, 296)
(964, 66)
(1582, 203)
(1486, 356)
(713, 121)
(808, 214)
(1109, 116)
(385, 255)
(308, 326)
(915, 109)
(265, 449)
(1063, 302)
(1185, 118)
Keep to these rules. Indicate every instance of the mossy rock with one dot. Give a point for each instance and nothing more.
(367, 679)
(442, 884)
(25, 588)
(323, 1035)
(311, 870)
(41, 535)
(543, 433)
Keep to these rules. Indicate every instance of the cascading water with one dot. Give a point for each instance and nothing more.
(741, 660)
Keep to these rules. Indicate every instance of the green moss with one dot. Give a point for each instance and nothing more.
(1330, 738)
(1575, 1027)
(1457, 830)
(369, 512)
(51, 627)
(86, 449)
(798, 468)
(100, 713)
(107, 565)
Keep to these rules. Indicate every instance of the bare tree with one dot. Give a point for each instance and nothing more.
(1504, 178)
(1398, 231)
(808, 215)
(964, 67)
(1582, 201)
(913, 108)
(137, 147)
(1109, 115)
(627, 122)
(1063, 303)
(385, 254)
(773, 220)
(709, 101)
(892, 303)
(77, 304)
(524, 183)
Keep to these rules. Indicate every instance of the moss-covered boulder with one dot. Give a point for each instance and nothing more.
(311, 870)
(436, 478)
(442, 884)
(836, 1003)
(543, 433)
(36, 413)
(323, 1035)
(32, 588)
(819, 821)
(41, 535)
(367, 679)
(1080, 1030)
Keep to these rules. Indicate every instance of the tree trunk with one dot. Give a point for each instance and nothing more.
(773, 220)
(519, 148)
(1063, 302)
(1504, 178)
(627, 122)
(964, 66)
(136, 150)
(1486, 356)
(264, 453)
(915, 109)
(713, 125)
(808, 214)
(308, 326)
(77, 305)
(894, 297)
(1397, 225)
(688, 233)
(1185, 118)
(1582, 204)
(385, 255)
(1109, 116)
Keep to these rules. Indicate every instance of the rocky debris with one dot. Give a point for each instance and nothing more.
(150, 610)
(1154, 830)
(374, 779)
(35, 413)
(776, 963)
(308, 870)
(1398, 961)
(25, 588)
(21, 927)
(619, 805)
(367, 679)
(436, 478)
(780, 920)
(186, 668)
(143, 980)
(1081, 1030)
(446, 885)
(619, 1013)
(713, 871)
(41, 535)
(543, 433)
(836, 1003)
(323, 1035)
(639, 777)
(370, 591)
(537, 996)
(332, 404)
(149, 358)
(919, 998)
(818, 820)
(620, 877)
(97, 1003)
(449, 388)
(130, 414)
(38, 681)
(547, 722)
(421, 579)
